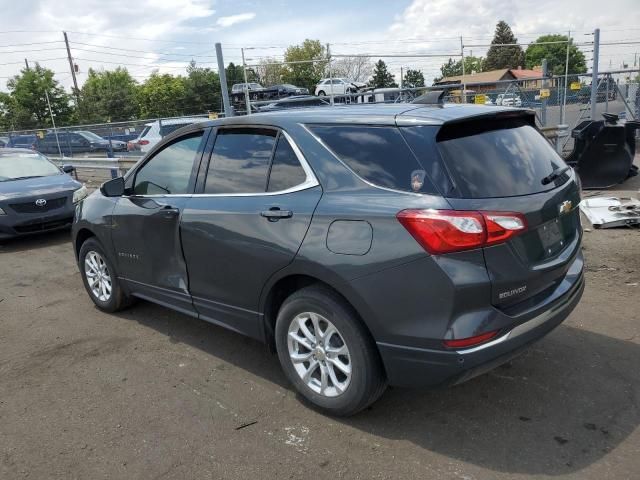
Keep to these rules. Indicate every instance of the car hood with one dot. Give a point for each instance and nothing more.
(29, 187)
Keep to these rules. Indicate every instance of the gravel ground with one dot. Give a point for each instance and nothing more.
(149, 393)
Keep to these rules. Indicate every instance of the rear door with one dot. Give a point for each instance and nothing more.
(498, 164)
(247, 221)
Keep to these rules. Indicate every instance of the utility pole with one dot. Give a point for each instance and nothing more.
(246, 84)
(73, 70)
(566, 79)
(594, 72)
(464, 83)
(545, 84)
(400, 76)
(53, 122)
(228, 112)
(26, 63)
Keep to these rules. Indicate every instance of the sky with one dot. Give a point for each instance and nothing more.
(146, 35)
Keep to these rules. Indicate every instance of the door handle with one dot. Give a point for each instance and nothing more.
(169, 212)
(274, 214)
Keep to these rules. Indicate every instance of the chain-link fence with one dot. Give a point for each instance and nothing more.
(115, 139)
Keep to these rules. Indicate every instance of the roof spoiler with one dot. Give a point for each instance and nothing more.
(434, 97)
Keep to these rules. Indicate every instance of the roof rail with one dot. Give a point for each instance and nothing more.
(434, 97)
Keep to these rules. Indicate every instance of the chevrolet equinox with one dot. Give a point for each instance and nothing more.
(410, 245)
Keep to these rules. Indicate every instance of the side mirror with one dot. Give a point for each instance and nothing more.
(113, 188)
(68, 168)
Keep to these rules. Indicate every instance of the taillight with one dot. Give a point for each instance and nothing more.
(470, 341)
(446, 231)
(143, 142)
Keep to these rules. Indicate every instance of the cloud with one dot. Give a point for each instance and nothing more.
(233, 19)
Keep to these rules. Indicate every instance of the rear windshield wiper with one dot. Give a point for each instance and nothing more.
(553, 175)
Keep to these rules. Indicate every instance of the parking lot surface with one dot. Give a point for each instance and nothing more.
(149, 393)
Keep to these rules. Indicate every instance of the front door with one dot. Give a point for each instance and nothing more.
(146, 232)
(246, 222)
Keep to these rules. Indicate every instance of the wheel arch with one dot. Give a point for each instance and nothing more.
(282, 286)
(81, 236)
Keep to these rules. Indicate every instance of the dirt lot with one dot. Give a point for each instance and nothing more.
(150, 393)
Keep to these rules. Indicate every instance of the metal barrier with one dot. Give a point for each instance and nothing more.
(97, 170)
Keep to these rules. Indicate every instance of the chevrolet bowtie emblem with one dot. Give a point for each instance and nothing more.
(565, 207)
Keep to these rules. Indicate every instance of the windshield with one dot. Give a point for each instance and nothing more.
(91, 136)
(21, 165)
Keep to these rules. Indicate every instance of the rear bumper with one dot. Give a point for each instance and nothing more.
(419, 367)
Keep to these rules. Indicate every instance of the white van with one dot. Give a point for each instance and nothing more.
(153, 132)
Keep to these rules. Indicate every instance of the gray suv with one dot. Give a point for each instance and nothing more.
(408, 245)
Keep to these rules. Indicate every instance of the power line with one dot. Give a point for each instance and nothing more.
(28, 44)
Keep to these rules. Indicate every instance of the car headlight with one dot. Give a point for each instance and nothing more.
(79, 194)
(2, 212)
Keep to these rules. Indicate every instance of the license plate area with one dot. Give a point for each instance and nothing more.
(551, 237)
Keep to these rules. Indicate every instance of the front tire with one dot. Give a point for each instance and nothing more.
(321, 93)
(326, 352)
(99, 278)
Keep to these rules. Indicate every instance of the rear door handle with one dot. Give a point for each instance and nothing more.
(274, 214)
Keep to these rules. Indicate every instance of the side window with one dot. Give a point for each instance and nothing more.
(240, 161)
(286, 171)
(76, 139)
(377, 154)
(169, 171)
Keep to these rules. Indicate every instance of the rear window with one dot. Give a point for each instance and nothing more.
(377, 154)
(500, 158)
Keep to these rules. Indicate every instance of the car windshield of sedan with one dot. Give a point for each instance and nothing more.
(92, 137)
(17, 166)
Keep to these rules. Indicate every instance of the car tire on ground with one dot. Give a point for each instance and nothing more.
(327, 353)
(321, 93)
(100, 278)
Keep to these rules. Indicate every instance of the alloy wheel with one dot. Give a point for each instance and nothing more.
(319, 354)
(98, 276)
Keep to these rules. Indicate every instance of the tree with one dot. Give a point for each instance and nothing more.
(28, 104)
(454, 68)
(108, 96)
(413, 78)
(381, 77)
(556, 55)
(162, 95)
(235, 74)
(308, 74)
(270, 72)
(503, 57)
(355, 68)
(202, 90)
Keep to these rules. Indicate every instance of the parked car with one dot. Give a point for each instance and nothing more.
(35, 195)
(337, 86)
(4, 141)
(240, 87)
(409, 245)
(22, 141)
(154, 132)
(295, 101)
(286, 89)
(509, 100)
(82, 141)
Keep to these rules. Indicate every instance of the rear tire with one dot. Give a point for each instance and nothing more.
(100, 278)
(335, 364)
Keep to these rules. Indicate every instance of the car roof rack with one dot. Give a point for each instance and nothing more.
(434, 97)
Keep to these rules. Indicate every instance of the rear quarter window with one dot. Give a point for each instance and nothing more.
(378, 154)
